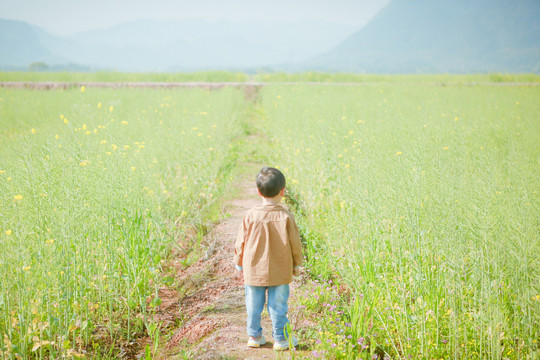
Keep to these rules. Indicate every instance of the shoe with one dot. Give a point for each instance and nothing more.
(284, 344)
(256, 342)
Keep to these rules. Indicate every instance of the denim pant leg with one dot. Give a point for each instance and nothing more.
(255, 298)
(277, 308)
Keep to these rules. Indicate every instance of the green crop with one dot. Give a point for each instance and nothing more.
(96, 186)
(419, 206)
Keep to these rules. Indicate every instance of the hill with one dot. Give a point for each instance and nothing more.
(421, 36)
(20, 44)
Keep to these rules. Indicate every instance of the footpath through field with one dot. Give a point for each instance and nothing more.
(204, 313)
(212, 301)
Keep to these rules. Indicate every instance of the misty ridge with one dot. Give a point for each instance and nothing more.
(434, 36)
(406, 36)
(172, 45)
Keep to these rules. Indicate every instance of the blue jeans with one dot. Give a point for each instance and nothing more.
(277, 308)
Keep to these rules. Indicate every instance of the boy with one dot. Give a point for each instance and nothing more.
(268, 251)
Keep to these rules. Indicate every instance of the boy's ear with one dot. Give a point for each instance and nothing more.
(282, 192)
(259, 192)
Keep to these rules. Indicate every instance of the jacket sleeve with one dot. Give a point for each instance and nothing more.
(295, 242)
(239, 244)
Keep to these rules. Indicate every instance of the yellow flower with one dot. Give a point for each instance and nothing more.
(111, 108)
(33, 131)
(50, 241)
(2, 171)
(17, 197)
(8, 232)
(99, 105)
(26, 268)
(82, 88)
(65, 121)
(445, 148)
(124, 123)
(399, 153)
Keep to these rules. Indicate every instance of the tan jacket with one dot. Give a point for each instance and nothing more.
(268, 246)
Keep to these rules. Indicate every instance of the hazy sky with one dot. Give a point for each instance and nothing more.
(63, 17)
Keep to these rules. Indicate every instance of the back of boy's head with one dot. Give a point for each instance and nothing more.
(270, 181)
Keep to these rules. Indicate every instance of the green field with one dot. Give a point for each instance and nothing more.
(421, 203)
(96, 187)
(437, 79)
(418, 204)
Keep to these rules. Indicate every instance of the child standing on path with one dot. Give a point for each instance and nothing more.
(268, 251)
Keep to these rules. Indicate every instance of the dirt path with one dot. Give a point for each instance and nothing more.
(212, 318)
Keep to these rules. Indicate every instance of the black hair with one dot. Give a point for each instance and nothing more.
(270, 181)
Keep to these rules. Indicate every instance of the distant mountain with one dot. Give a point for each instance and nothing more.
(156, 45)
(20, 44)
(421, 36)
(407, 36)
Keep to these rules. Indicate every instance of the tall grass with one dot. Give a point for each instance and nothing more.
(419, 207)
(95, 187)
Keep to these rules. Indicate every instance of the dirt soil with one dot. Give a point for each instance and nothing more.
(209, 303)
